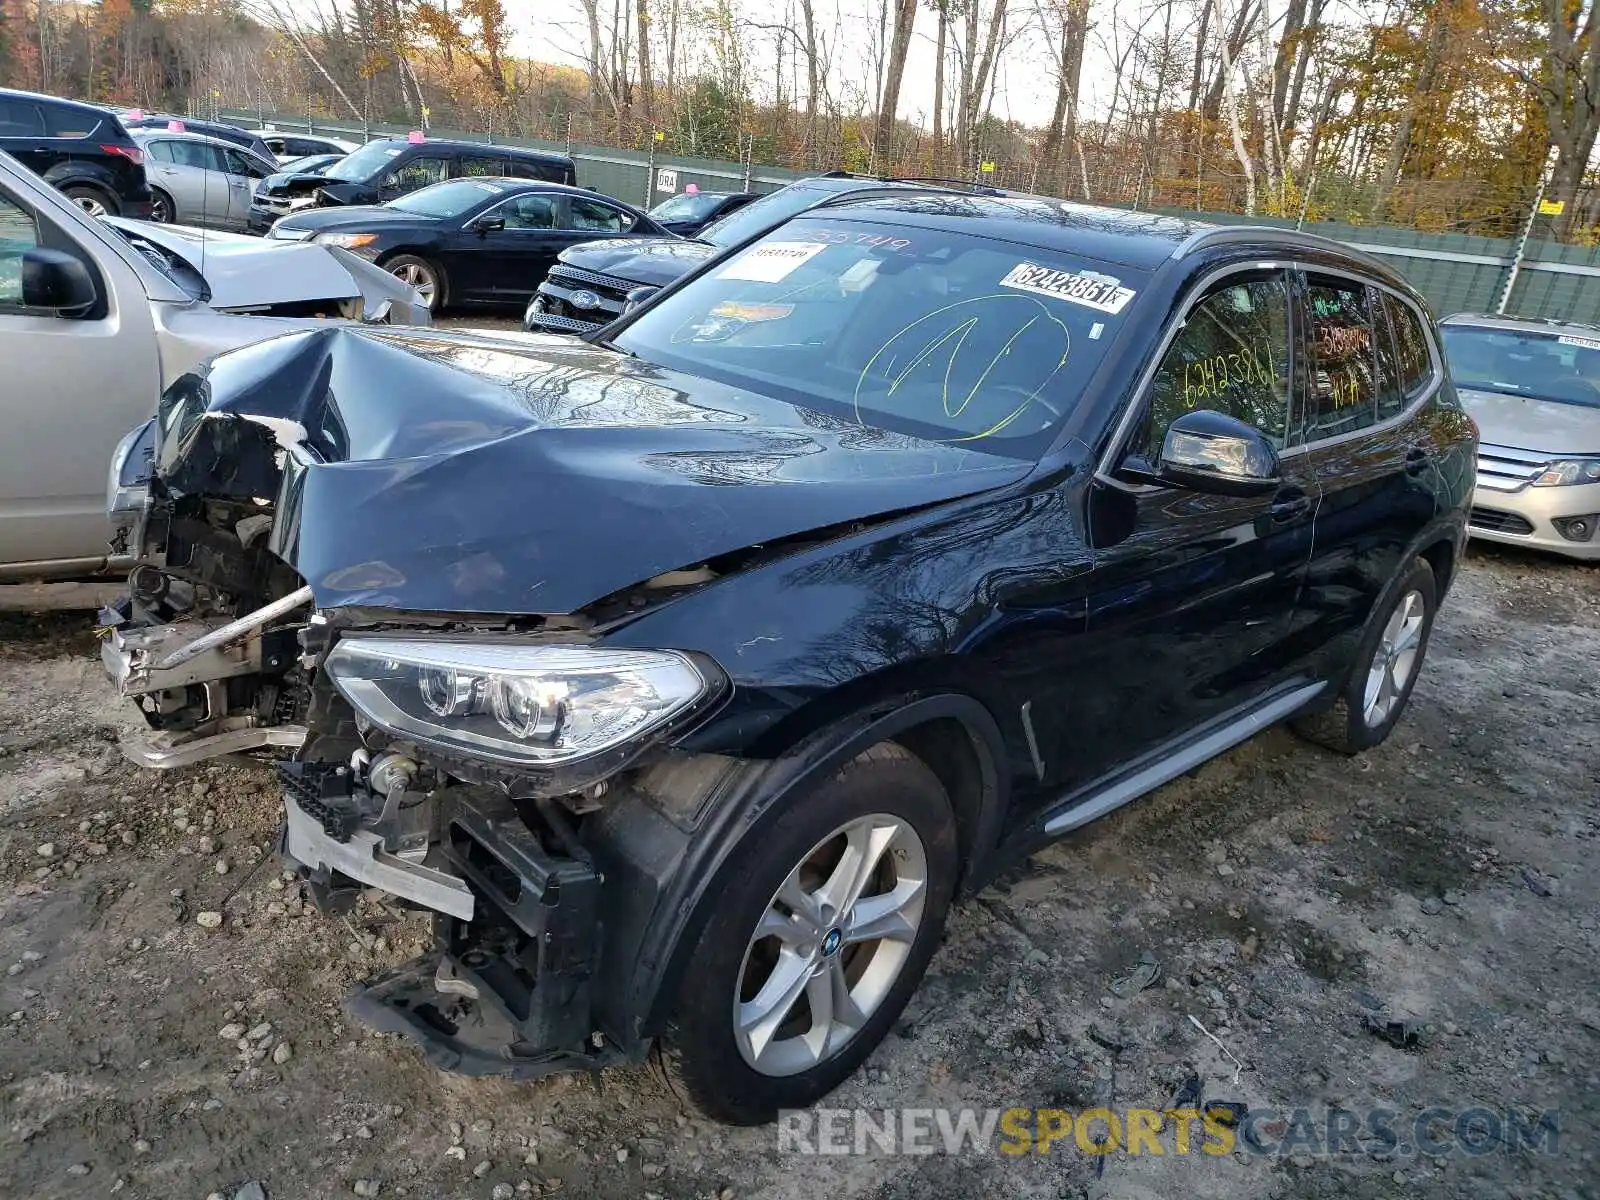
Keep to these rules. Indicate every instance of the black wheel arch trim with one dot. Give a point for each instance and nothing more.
(751, 793)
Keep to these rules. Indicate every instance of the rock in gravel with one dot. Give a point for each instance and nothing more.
(1453, 897)
(367, 1187)
(254, 1190)
(1432, 905)
(46, 850)
(481, 1169)
(231, 1032)
(1217, 855)
(221, 867)
(140, 1146)
(503, 1191)
(78, 1169)
(363, 1132)
(209, 920)
(260, 1031)
(97, 849)
(282, 1053)
(208, 845)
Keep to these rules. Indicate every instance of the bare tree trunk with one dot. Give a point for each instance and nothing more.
(1287, 54)
(940, 50)
(809, 20)
(1291, 115)
(1239, 150)
(905, 15)
(1401, 142)
(1570, 90)
(1232, 43)
(646, 85)
(1197, 80)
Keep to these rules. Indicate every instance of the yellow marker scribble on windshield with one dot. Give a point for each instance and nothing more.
(955, 338)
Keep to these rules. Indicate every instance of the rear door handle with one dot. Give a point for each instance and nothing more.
(1290, 505)
(1416, 460)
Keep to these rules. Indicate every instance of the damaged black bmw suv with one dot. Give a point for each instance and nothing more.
(688, 674)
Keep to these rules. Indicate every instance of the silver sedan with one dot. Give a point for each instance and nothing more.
(199, 180)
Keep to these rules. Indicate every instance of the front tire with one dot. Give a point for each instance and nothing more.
(420, 274)
(818, 940)
(1387, 664)
(162, 210)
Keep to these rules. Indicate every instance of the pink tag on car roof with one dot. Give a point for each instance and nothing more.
(136, 114)
(692, 189)
(174, 126)
(415, 136)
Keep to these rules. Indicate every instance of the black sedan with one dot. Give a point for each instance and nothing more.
(689, 212)
(471, 241)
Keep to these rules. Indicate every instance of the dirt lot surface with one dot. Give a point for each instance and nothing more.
(1447, 879)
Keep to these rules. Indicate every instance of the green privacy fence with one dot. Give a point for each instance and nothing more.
(1457, 273)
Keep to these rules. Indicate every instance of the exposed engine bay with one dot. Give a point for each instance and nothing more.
(410, 570)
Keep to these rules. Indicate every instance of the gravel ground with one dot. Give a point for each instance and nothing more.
(1445, 879)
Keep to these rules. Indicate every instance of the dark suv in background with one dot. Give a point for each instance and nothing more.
(388, 169)
(81, 149)
(592, 283)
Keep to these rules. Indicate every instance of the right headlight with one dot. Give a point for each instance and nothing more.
(518, 705)
(1569, 470)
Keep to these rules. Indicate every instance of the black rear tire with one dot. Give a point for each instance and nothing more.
(1348, 726)
(162, 210)
(887, 781)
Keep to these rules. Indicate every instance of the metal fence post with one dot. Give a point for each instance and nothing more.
(650, 171)
(749, 161)
(1527, 229)
(569, 135)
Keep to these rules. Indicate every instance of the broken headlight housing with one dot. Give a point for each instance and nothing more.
(518, 705)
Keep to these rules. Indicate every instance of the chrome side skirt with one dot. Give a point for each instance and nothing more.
(1080, 809)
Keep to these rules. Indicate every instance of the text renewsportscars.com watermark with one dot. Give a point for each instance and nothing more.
(1215, 1131)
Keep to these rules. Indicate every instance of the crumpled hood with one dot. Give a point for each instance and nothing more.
(524, 473)
(251, 272)
(1524, 423)
(645, 260)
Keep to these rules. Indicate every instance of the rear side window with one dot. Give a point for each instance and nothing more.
(1342, 393)
(70, 122)
(1232, 356)
(479, 165)
(1411, 346)
(160, 151)
(196, 154)
(1391, 392)
(20, 118)
(419, 172)
(593, 217)
(538, 168)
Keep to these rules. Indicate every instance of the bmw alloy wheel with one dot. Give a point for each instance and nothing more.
(830, 945)
(1394, 659)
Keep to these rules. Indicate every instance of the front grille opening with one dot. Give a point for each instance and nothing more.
(1492, 520)
(476, 855)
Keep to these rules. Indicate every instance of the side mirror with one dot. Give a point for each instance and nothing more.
(53, 279)
(489, 224)
(637, 297)
(1208, 451)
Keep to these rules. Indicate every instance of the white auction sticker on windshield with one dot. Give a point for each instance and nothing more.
(1096, 291)
(1581, 343)
(771, 263)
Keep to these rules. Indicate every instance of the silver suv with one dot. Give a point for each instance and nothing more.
(96, 320)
